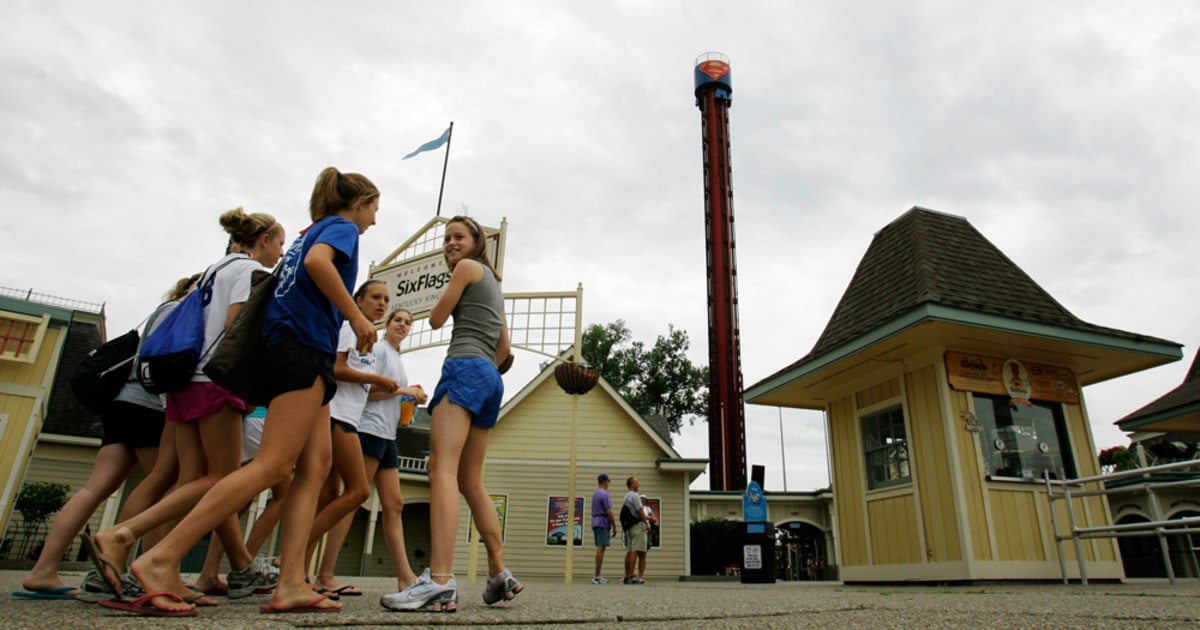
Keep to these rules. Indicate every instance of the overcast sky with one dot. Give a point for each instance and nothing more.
(1065, 132)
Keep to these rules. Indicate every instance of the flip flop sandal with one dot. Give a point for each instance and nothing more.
(310, 607)
(143, 606)
(62, 592)
(102, 563)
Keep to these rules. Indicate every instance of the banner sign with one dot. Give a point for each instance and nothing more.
(557, 519)
(1021, 381)
(416, 283)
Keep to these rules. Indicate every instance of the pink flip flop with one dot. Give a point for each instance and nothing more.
(143, 606)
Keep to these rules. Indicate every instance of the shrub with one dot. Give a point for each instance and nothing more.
(38, 500)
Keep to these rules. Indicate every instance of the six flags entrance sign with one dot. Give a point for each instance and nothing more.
(418, 279)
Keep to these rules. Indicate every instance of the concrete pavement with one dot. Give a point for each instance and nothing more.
(692, 605)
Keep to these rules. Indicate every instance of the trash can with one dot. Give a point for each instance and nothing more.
(758, 553)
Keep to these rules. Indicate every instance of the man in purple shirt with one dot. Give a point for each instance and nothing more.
(603, 524)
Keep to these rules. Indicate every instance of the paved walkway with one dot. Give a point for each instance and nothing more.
(691, 605)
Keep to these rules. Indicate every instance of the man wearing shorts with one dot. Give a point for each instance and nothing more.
(635, 537)
(602, 524)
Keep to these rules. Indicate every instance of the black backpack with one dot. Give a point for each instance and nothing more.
(628, 518)
(104, 371)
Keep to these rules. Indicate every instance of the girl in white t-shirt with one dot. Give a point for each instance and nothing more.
(377, 435)
(356, 376)
(207, 418)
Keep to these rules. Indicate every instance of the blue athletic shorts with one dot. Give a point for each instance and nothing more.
(603, 536)
(473, 384)
(381, 449)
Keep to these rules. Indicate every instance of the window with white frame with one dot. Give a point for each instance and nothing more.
(885, 446)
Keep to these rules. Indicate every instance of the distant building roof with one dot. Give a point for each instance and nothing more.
(1176, 410)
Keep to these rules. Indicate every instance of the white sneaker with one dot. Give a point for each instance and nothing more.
(424, 593)
(599, 579)
(502, 587)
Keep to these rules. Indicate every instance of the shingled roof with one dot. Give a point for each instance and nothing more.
(925, 256)
(1178, 401)
(64, 413)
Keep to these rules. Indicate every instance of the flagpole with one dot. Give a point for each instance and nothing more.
(445, 163)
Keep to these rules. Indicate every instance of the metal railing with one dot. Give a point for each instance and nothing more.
(414, 463)
(29, 295)
(1158, 526)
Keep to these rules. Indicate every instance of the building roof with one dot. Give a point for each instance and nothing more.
(64, 413)
(925, 256)
(932, 271)
(1176, 410)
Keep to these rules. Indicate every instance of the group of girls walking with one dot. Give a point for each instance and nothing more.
(329, 428)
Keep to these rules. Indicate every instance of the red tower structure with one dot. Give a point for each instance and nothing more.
(726, 411)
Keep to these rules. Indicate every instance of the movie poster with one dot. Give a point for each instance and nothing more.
(557, 519)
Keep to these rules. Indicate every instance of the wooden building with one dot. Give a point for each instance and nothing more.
(45, 434)
(951, 383)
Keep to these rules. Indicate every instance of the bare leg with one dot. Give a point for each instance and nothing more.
(221, 438)
(299, 510)
(113, 464)
(292, 420)
(470, 483)
(348, 463)
(387, 481)
(450, 427)
(270, 516)
(118, 540)
(162, 469)
(641, 559)
(210, 574)
(333, 547)
(600, 560)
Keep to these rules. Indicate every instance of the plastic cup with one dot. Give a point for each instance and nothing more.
(408, 405)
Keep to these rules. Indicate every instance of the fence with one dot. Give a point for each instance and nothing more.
(1156, 527)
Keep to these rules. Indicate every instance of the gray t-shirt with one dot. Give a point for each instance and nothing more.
(634, 503)
(478, 318)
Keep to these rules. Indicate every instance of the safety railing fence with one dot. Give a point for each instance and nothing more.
(1068, 489)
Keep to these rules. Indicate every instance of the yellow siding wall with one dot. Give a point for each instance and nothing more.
(878, 393)
(848, 484)
(606, 432)
(1092, 511)
(970, 469)
(19, 409)
(59, 463)
(894, 530)
(1018, 528)
(931, 466)
(25, 382)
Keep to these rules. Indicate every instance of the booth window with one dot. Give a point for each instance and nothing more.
(886, 447)
(20, 336)
(1022, 440)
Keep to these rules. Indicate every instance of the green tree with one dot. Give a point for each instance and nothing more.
(38, 500)
(660, 381)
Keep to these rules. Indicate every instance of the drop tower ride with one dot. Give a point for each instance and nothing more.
(726, 411)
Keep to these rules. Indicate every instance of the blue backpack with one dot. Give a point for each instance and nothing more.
(168, 358)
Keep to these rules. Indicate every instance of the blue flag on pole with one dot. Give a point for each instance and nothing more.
(431, 145)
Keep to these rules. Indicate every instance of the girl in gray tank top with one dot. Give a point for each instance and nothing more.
(465, 406)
